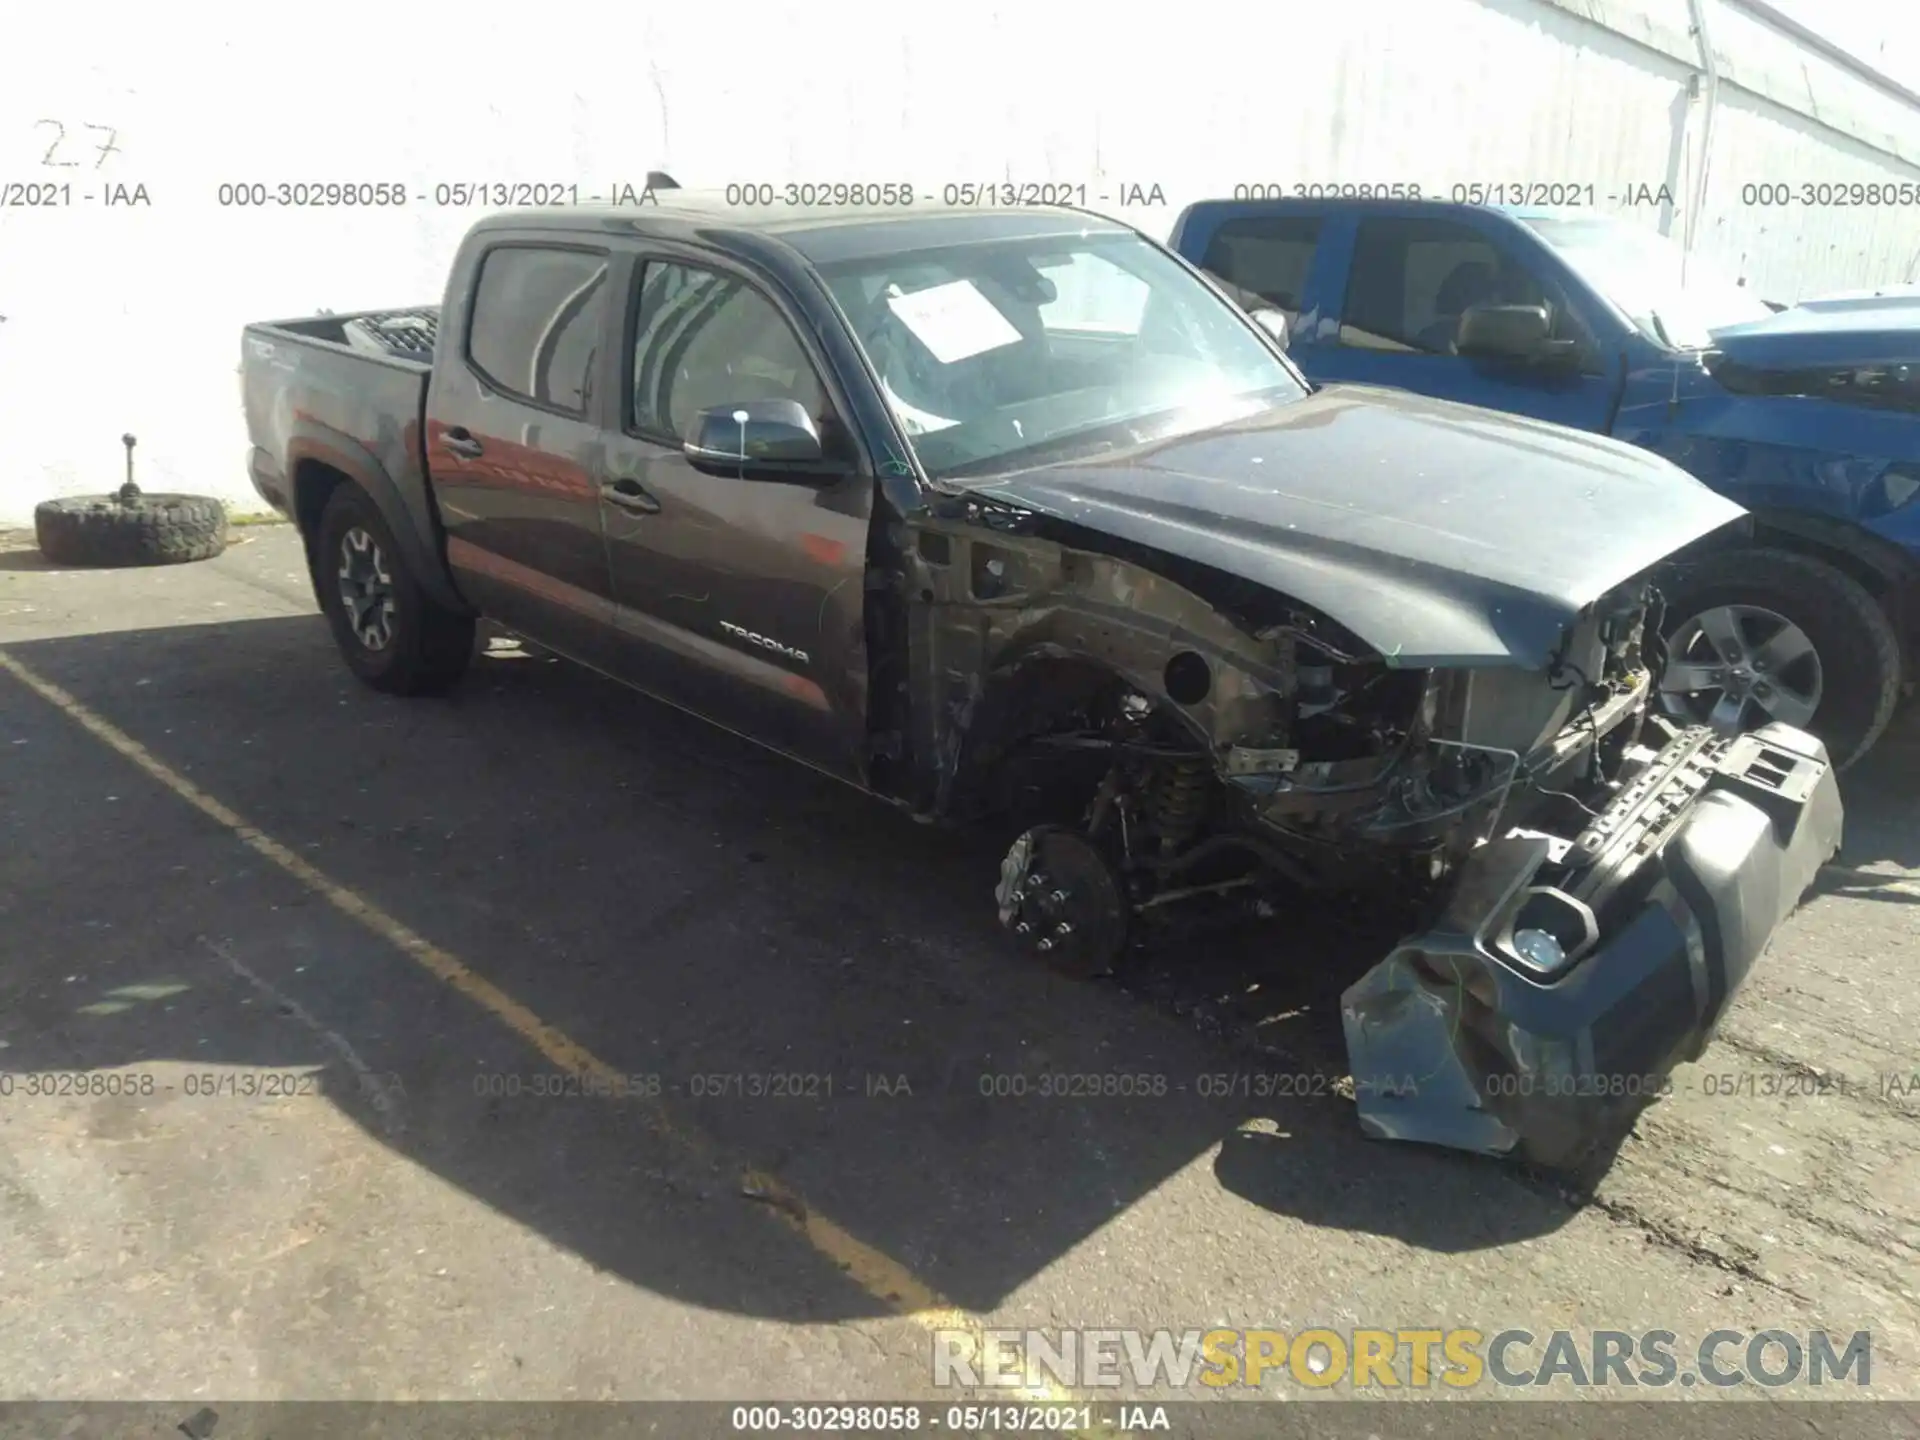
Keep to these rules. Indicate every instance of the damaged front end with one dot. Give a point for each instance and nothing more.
(1565, 978)
(1584, 886)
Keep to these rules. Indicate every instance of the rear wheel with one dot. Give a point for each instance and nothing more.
(392, 634)
(1761, 635)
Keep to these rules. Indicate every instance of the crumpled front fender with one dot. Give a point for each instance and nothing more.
(1456, 1039)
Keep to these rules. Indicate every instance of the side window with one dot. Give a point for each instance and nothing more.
(536, 323)
(702, 339)
(1264, 262)
(1413, 278)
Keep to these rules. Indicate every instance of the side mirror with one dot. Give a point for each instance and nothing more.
(1513, 332)
(1274, 322)
(1503, 332)
(776, 439)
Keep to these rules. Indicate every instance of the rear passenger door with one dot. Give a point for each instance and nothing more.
(741, 599)
(515, 441)
(1407, 279)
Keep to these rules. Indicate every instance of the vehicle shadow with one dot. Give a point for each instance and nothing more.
(21, 556)
(683, 905)
(25, 560)
(1882, 795)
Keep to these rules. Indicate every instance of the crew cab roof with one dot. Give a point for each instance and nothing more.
(821, 234)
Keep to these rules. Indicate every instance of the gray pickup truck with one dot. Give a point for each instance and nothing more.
(1012, 517)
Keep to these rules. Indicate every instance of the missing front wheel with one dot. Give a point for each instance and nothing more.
(1063, 899)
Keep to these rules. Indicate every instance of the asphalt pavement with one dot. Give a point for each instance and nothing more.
(542, 1042)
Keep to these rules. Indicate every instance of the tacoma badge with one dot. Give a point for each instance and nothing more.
(763, 642)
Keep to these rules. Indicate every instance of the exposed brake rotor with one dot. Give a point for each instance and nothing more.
(1061, 897)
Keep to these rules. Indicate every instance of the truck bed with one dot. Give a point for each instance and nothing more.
(340, 390)
(394, 334)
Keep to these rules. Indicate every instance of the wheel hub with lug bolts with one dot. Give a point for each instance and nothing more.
(1044, 908)
(1063, 899)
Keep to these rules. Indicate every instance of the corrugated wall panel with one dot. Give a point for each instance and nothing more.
(1794, 249)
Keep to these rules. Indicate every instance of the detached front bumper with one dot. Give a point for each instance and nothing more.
(1661, 908)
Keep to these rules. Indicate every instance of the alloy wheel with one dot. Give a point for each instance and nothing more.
(1737, 665)
(366, 589)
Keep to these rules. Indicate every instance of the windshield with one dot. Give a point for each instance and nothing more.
(1640, 271)
(1005, 353)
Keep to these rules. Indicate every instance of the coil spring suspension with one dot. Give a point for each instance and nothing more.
(1179, 802)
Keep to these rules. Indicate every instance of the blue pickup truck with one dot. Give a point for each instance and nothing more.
(1807, 416)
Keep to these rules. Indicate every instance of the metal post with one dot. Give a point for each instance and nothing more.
(129, 491)
(1711, 67)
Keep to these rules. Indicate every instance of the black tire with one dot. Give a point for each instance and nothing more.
(144, 530)
(426, 647)
(1855, 645)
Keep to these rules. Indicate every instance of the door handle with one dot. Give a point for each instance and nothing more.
(458, 440)
(630, 495)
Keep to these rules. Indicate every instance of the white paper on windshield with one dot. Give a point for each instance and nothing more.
(954, 320)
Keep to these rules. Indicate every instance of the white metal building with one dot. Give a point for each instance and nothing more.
(126, 316)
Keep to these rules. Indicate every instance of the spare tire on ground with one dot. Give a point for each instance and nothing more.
(139, 530)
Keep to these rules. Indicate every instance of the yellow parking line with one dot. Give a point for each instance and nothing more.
(875, 1272)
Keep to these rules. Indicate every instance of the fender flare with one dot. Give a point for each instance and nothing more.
(417, 535)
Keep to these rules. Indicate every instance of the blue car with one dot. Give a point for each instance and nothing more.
(1806, 612)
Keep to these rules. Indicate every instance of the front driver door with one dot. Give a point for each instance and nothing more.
(739, 599)
(1408, 280)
